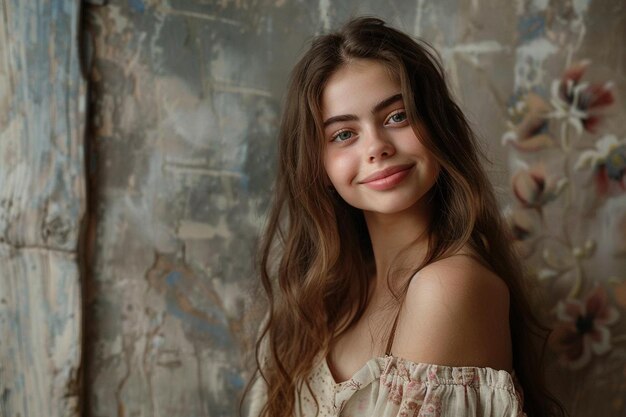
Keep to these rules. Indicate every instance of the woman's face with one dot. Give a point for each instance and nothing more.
(372, 155)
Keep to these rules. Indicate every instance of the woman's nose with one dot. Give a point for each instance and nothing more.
(379, 146)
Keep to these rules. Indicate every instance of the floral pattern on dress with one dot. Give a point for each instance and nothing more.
(432, 407)
(394, 387)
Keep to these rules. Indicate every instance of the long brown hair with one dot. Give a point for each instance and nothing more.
(316, 257)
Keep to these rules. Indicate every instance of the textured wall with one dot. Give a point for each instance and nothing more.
(181, 133)
(42, 205)
(186, 97)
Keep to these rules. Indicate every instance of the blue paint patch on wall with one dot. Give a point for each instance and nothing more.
(219, 334)
(137, 5)
(531, 27)
(172, 278)
(234, 379)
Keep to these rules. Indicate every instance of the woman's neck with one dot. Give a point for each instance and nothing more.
(390, 234)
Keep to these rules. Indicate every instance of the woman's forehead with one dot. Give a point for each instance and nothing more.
(358, 85)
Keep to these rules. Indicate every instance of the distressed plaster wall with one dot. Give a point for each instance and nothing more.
(42, 205)
(186, 97)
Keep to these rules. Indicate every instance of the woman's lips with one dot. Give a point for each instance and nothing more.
(387, 178)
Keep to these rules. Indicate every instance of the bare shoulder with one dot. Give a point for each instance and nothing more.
(456, 313)
(459, 278)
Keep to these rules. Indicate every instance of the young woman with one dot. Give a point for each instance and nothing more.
(390, 278)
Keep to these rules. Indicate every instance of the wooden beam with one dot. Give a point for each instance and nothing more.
(42, 204)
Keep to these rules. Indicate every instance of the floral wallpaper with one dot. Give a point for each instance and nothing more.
(567, 208)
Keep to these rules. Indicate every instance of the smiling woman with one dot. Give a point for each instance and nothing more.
(392, 286)
(373, 157)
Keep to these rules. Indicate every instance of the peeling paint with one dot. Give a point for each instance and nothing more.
(201, 16)
(324, 6)
(419, 11)
(196, 230)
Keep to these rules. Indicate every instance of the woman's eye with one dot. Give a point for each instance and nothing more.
(398, 117)
(342, 136)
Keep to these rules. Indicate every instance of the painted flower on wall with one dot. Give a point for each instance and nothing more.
(582, 328)
(521, 225)
(608, 161)
(533, 188)
(570, 176)
(580, 102)
(529, 129)
(524, 226)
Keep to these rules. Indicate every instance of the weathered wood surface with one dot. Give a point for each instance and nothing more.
(42, 204)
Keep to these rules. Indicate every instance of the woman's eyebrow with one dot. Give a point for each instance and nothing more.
(379, 106)
(386, 102)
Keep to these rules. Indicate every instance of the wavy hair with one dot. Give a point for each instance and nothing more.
(316, 256)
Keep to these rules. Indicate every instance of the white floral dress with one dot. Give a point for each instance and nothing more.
(390, 386)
